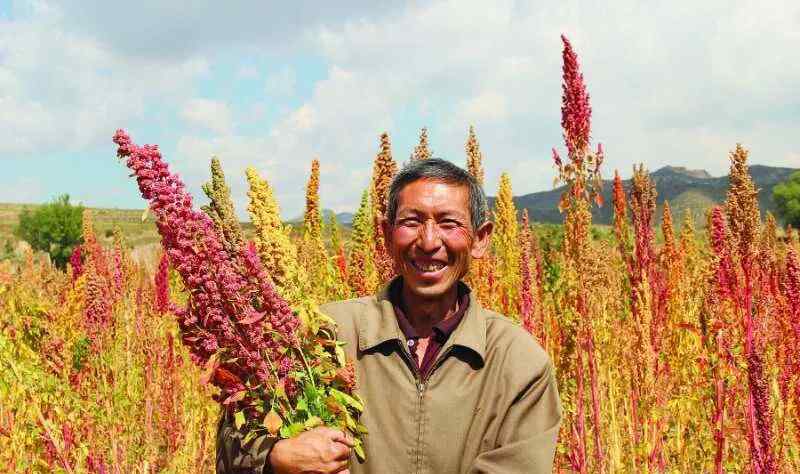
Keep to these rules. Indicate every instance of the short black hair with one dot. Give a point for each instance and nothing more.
(437, 169)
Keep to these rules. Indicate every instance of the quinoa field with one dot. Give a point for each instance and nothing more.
(676, 346)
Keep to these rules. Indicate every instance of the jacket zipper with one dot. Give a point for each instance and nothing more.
(422, 385)
(421, 413)
(421, 396)
(439, 362)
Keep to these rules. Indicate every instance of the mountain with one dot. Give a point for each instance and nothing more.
(683, 188)
(344, 218)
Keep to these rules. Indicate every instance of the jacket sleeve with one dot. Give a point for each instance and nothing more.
(529, 430)
(236, 457)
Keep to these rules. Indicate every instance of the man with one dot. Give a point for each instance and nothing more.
(448, 386)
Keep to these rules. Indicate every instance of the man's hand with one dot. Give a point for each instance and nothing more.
(319, 451)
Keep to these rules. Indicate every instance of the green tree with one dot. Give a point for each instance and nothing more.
(54, 228)
(787, 199)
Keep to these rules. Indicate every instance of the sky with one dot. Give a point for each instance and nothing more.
(276, 84)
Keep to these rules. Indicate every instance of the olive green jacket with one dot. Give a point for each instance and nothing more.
(490, 403)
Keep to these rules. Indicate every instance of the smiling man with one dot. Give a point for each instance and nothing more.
(448, 386)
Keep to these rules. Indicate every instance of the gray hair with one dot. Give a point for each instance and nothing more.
(436, 169)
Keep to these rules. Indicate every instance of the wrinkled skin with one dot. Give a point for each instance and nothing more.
(318, 451)
(432, 241)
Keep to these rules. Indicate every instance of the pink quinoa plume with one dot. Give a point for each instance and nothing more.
(232, 304)
(576, 112)
(793, 287)
(76, 262)
(162, 285)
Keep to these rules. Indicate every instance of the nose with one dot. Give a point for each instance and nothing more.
(429, 238)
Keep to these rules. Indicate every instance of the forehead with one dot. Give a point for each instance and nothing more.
(434, 196)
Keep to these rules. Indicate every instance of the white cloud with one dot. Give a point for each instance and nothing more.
(237, 152)
(209, 114)
(657, 90)
(672, 83)
(487, 106)
(173, 30)
(302, 119)
(673, 86)
(320, 128)
(64, 91)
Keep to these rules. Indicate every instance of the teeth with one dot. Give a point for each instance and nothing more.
(430, 267)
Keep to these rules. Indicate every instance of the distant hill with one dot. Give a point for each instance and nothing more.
(693, 189)
(683, 188)
(137, 231)
(343, 218)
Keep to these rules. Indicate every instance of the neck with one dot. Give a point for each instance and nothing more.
(424, 313)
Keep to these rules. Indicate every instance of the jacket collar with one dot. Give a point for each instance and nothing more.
(378, 324)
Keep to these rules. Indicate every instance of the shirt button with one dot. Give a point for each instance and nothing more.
(411, 343)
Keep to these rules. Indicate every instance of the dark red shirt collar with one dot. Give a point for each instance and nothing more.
(443, 329)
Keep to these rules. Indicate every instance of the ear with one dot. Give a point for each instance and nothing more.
(483, 238)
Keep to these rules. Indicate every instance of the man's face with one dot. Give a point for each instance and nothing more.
(431, 238)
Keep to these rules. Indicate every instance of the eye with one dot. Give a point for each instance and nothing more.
(449, 224)
(408, 222)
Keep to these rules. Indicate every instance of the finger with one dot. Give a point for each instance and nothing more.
(325, 431)
(331, 433)
(344, 438)
(340, 451)
(340, 467)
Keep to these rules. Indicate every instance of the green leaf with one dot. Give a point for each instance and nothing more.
(340, 355)
(313, 422)
(359, 449)
(348, 400)
(238, 419)
(288, 431)
(350, 422)
(311, 392)
(251, 435)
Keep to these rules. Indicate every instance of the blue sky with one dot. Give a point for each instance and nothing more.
(274, 86)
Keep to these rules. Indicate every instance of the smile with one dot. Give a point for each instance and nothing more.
(428, 267)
